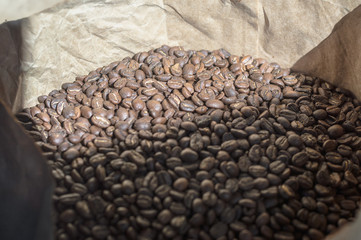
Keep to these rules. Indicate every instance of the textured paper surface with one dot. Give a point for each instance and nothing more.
(75, 37)
(16, 9)
(338, 57)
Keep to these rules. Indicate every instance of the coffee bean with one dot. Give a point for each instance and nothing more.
(277, 167)
(69, 199)
(197, 144)
(300, 159)
(261, 183)
(83, 209)
(213, 103)
(103, 142)
(257, 171)
(348, 204)
(288, 114)
(335, 131)
(219, 229)
(189, 155)
(67, 216)
(286, 191)
(295, 140)
(187, 106)
(181, 184)
(71, 153)
(56, 139)
(189, 126)
(333, 157)
(100, 232)
(100, 121)
(207, 163)
(230, 145)
(282, 142)
(284, 236)
(290, 80)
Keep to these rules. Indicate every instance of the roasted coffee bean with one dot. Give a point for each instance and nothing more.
(100, 232)
(300, 159)
(100, 121)
(335, 131)
(181, 184)
(189, 155)
(219, 229)
(199, 145)
(189, 126)
(213, 103)
(257, 171)
(277, 167)
(69, 199)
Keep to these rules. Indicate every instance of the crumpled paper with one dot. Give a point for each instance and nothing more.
(338, 58)
(75, 37)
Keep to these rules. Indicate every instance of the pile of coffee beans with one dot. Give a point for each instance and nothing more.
(176, 144)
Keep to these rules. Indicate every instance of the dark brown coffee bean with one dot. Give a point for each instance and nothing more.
(230, 145)
(333, 157)
(181, 184)
(56, 139)
(189, 155)
(315, 234)
(203, 121)
(304, 181)
(69, 199)
(164, 216)
(189, 126)
(100, 232)
(196, 142)
(348, 204)
(295, 140)
(286, 191)
(67, 216)
(83, 209)
(103, 142)
(284, 236)
(71, 153)
(255, 153)
(288, 114)
(142, 124)
(257, 171)
(261, 183)
(335, 131)
(300, 159)
(282, 142)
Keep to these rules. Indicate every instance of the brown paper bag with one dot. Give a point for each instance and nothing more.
(25, 184)
(337, 59)
(39, 53)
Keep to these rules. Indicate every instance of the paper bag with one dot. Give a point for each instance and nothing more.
(39, 53)
(25, 184)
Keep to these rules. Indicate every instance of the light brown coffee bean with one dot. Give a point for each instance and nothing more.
(213, 103)
(100, 121)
